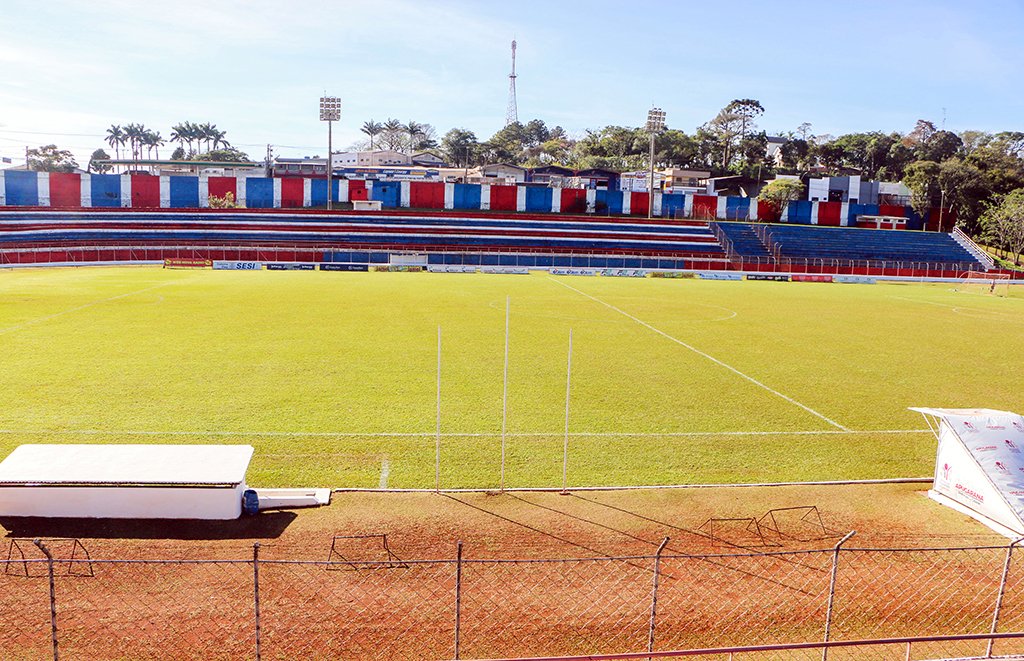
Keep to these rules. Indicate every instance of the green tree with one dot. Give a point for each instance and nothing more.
(1003, 223)
(922, 178)
(939, 146)
(747, 110)
(780, 192)
(965, 189)
(116, 139)
(227, 154)
(460, 147)
(95, 166)
(49, 158)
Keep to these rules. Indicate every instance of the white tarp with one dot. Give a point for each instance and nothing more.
(979, 465)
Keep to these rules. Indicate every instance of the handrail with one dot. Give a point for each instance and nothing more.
(960, 237)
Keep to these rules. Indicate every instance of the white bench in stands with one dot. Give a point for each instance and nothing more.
(366, 205)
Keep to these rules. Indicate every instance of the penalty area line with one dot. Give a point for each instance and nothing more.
(704, 355)
(39, 320)
(425, 434)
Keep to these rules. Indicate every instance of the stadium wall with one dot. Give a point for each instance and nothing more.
(58, 190)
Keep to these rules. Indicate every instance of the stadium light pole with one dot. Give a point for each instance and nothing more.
(655, 125)
(330, 112)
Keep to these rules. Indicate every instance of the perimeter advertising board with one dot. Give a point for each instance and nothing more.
(980, 465)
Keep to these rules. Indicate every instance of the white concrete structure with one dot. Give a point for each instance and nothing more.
(979, 465)
(125, 481)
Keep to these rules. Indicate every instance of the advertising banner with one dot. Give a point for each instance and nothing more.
(186, 263)
(343, 267)
(282, 266)
(774, 277)
(980, 465)
(720, 276)
(803, 277)
(561, 271)
(229, 265)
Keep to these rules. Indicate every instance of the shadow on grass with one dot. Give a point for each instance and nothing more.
(268, 525)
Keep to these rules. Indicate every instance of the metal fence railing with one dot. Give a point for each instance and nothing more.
(463, 607)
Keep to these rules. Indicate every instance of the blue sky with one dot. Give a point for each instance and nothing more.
(257, 68)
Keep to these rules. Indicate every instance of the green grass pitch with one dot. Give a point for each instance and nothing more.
(332, 375)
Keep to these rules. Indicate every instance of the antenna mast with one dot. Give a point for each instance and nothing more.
(512, 114)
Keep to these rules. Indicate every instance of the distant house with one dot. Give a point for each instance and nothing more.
(550, 175)
(428, 159)
(678, 180)
(597, 178)
(773, 150)
(498, 173)
(299, 167)
(854, 190)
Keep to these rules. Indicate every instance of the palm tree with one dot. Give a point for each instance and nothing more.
(414, 130)
(372, 129)
(179, 134)
(115, 138)
(153, 140)
(207, 131)
(392, 132)
(133, 135)
(218, 138)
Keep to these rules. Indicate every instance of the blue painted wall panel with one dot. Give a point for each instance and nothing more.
(799, 211)
(106, 190)
(259, 193)
(184, 192)
(318, 192)
(538, 200)
(466, 196)
(671, 203)
(389, 193)
(737, 208)
(614, 200)
(21, 188)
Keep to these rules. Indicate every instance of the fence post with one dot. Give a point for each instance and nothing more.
(458, 597)
(53, 595)
(1002, 591)
(832, 590)
(654, 595)
(256, 593)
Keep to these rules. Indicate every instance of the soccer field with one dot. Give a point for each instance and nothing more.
(332, 376)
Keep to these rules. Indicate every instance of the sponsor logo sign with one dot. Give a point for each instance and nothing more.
(720, 276)
(624, 273)
(855, 279)
(186, 263)
(225, 265)
(969, 493)
(281, 266)
(775, 277)
(513, 270)
(343, 267)
(800, 277)
(561, 271)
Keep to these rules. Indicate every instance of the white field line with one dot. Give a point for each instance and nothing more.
(655, 487)
(385, 471)
(430, 434)
(959, 309)
(705, 355)
(38, 320)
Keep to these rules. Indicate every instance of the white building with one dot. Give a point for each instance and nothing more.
(370, 159)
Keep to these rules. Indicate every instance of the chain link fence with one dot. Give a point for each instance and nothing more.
(467, 608)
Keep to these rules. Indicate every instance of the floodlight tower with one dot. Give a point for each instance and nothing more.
(512, 114)
(330, 112)
(655, 125)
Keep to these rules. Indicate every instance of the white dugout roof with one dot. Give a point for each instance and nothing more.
(126, 465)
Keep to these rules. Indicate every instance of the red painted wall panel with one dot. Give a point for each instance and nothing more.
(705, 206)
(65, 190)
(426, 195)
(828, 213)
(145, 191)
(892, 210)
(357, 190)
(291, 193)
(503, 198)
(767, 212)
(574, 200)
(638, 204)
(221, 186)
